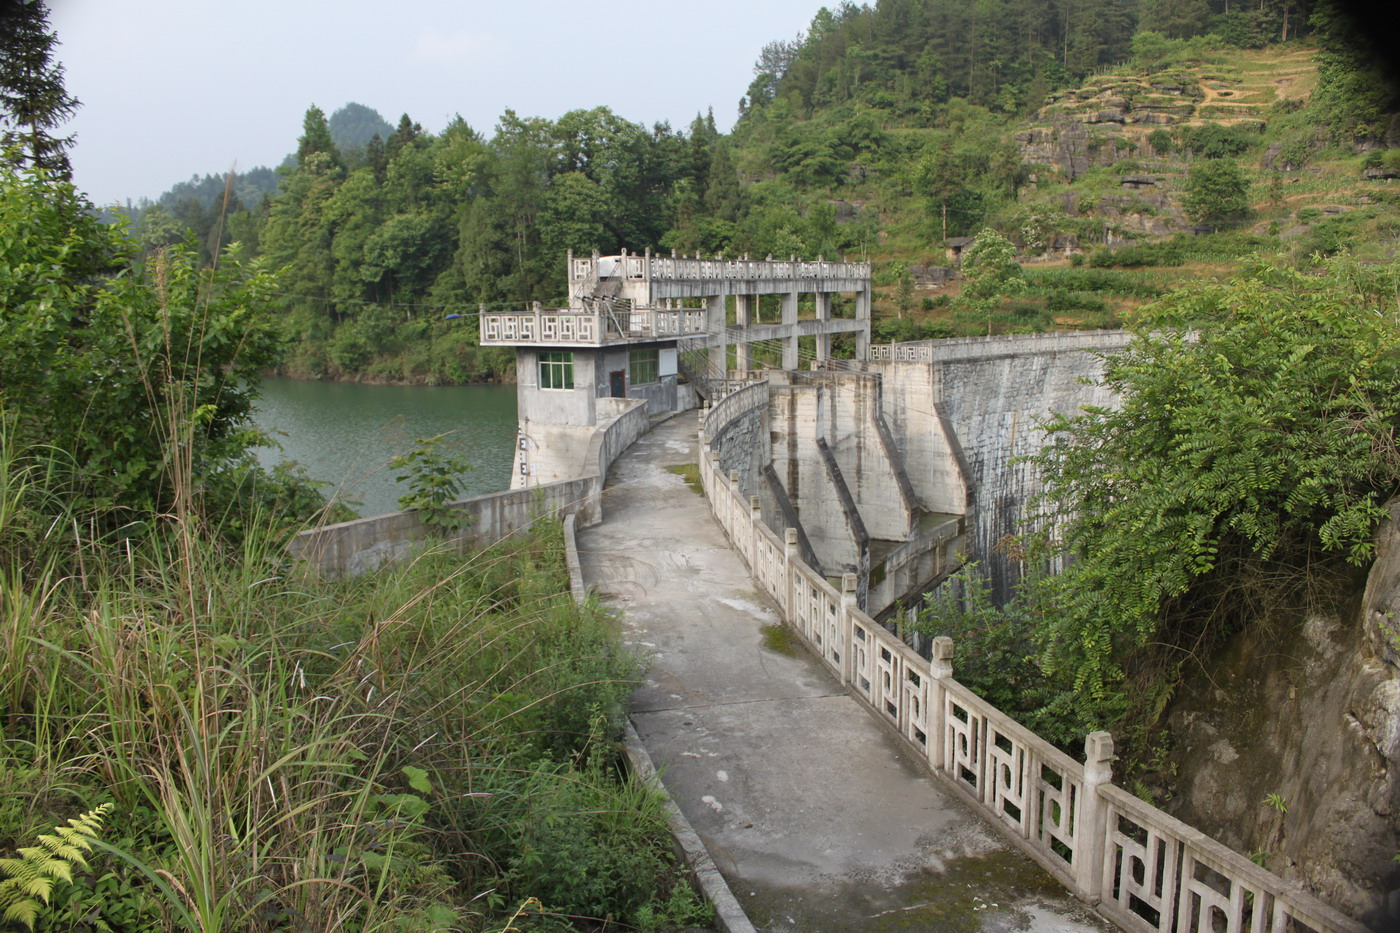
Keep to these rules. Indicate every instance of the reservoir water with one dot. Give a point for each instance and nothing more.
(344, 434)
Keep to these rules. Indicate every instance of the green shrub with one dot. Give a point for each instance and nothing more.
(1137, 256)
(1066, 301)
(1214, 141)
(1259, 447)
(994, 651)
(1106, 281)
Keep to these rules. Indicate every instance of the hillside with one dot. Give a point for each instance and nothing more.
(1092, 185)
(890, 132)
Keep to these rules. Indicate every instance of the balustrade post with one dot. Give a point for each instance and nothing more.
(755, 520)
(1091, 830)
(730, 512)
(849, 604)
(940, 669)
(791, 558)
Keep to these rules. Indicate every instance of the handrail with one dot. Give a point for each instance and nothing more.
(1096, 838)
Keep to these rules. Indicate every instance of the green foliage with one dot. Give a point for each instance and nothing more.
(434, 482)
(29, 880)
(908, 58)
(901, 330)
(33, 100)
(590, 847)
(995, 653)
(1136, 256)
(1216, 193)
(1095, 281)
(967, 170)
(379, 753)
(1257, 424)
(991, 268)
(144, 380)
(1214, 141)
(1181, 249)
(1354, 95)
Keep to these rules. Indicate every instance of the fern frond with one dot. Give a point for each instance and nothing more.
(28, 880)
(24, 911)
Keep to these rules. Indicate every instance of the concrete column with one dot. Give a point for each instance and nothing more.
(823, 314)
(755, 522)
(791, 558)
(848, 606)
(715, 324)
(863, 314)
(790, 355)
(743, 317)
(940, 669)
(1091, 829)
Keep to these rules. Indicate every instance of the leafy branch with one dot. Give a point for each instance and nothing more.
(1257, 426)
(434, 482)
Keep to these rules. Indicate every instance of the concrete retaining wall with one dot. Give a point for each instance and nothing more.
(366, 544)
(742, 442)
(975, 406)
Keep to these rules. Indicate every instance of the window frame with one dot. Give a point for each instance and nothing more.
(639, 364)
(556, 369)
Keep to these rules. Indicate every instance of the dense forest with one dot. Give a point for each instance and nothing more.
(878, 131)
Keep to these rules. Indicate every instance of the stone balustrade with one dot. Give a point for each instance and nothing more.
(1137, 866)
(588, 327)
(649, 268)
(971, 348)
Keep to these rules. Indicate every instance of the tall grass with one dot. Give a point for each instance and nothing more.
(425, 748)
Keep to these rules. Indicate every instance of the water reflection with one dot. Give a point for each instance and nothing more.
(345, 433)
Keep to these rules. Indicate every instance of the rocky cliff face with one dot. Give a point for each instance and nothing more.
(1288, 747)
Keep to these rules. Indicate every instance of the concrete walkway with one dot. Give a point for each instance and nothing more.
(817, 818)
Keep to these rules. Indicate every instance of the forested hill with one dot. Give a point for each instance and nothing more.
(878, 131)
(195, 207)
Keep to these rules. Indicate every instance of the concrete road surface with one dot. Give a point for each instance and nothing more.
(818, 819)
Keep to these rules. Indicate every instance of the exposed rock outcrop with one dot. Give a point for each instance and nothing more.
(1289, 747)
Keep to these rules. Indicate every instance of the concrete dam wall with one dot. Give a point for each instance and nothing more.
(963, 411)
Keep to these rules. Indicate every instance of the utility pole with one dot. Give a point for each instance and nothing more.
(945, 222)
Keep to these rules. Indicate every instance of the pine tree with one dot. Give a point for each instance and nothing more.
(376, 158)
(33, 100)
(316, 137)
(407, 134)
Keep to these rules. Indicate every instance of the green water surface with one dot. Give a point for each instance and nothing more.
(345, 433)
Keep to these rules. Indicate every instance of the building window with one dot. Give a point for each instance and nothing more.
(556, 369)
(642, 366)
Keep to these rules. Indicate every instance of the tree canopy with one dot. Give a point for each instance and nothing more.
(1258, 424)
(33, 100)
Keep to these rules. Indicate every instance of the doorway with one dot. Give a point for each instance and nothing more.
(617, 383)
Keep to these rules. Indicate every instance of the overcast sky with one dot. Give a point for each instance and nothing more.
(173, 88)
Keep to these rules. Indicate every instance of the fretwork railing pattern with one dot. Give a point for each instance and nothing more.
(1143, 869)
(663, 268)
(546, 326)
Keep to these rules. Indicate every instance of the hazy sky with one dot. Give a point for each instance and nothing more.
(173, 88)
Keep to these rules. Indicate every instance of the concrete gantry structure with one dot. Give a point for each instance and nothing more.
(635, 324)
(653, 281)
